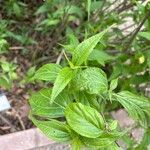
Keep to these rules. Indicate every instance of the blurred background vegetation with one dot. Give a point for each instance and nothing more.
(31, 34)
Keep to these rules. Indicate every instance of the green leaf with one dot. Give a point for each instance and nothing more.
(29, 77)
(62, 80)
(100, 56)
(31, 71)
(5, 66)
(84, 49)
(5, 82)
(148, 61)
(42, 9)
(113, 125)
(145, 35)
(98, 142)
(73, 40)
(93, 80)
(117, 70)
(3, 46)
(147, 56)
(76, 144)
(145, 141)
(55, 130)
(113, 146)
(96, 5)
(49, 22)
(47, 72)
(22, 38)
(113, 84)
(16, 9)
(87, 99)
(40, 103)
(103, 141)
(84, 120)
(73, 43)
(46, 7)
(135, 105)
(74, 10)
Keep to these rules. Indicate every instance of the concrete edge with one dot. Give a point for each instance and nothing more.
(24, 140)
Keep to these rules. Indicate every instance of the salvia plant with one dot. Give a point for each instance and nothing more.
(75, 109)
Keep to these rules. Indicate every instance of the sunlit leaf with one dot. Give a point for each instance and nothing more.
(93, 80)
(62, 80)
(84, 49)
(135, 105)
(113, 84)
(47, 72)
(103, 141)
(84, 120)
(53, 129)
(40, 103)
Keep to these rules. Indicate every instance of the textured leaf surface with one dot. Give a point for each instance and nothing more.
(47, 72)
(135, 105)
(87, 99)
(103, 141)
(40, 104)
(55, 130)
(84, 49)
(84, 120)
(63, 78)
(93, 80)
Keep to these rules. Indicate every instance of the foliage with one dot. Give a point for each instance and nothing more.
(105, 72)
(3, 41)
(8, 74)
(84, 125)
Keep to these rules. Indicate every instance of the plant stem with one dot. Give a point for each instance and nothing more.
(99, 11)
(7, 122)
(136, 31)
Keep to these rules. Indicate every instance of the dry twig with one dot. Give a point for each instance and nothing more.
(7, 122)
